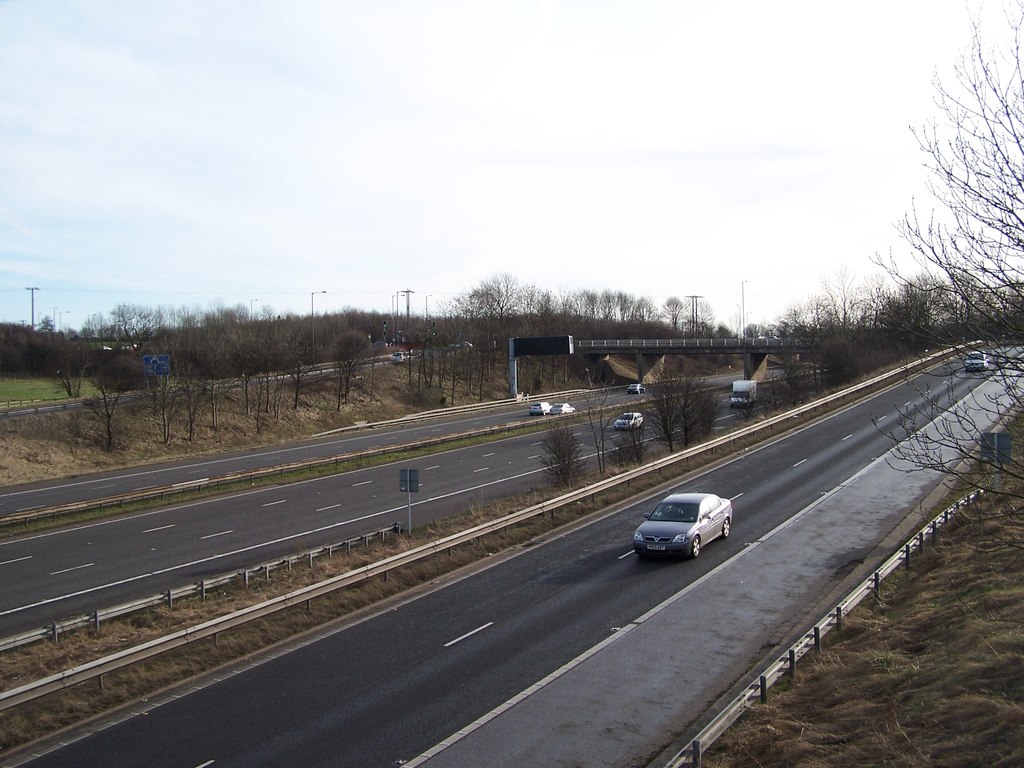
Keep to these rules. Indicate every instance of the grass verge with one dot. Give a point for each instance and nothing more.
(931, 675)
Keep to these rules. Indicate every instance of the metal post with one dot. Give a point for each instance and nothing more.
(817, 638)
(763, 682)
(792, 663)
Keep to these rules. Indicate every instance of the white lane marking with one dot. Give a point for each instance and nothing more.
(623, 557)
(365, 482)
(242, 550)
(847, 438)
(799, 462)
(74, 568)
(215, 535)
(468, 634)
(16, 560)
(274, 503)
(206, 764)
(482, 469)
(436, 466)
(488, 454)
(324, 509)
(161, 528)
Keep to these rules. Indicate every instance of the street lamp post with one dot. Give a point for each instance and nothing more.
(251, 303)
(33, 320)
(312, 321)
(60, 319)
(743, 309)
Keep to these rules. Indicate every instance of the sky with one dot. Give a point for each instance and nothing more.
(198, 154)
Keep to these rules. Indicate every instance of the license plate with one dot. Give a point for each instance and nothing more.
(656, 547)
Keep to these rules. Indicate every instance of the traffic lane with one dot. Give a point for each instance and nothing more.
(250, 537)
(50, 493)
(250, 542)
(77, 570)
(369, 695)
(385, 691)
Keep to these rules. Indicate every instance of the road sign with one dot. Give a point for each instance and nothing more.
(995, 447)
(409, 480)
(156, 365)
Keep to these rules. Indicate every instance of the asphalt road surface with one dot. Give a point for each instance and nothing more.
(389, 688)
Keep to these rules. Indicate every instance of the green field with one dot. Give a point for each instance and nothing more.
(27, 389)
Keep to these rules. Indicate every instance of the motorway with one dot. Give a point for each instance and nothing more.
(384, 689)
(77, 569)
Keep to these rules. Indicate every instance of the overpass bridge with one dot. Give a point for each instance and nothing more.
(754, 349)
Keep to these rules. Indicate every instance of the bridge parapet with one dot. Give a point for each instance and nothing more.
(753, 344)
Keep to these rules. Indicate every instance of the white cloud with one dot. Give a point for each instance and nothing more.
(176, 152)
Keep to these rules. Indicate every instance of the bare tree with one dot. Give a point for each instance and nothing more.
(563, 455)
(72, 357)
(114, 375)
(974, 244)
(673, 309)
(630, 447)
(351, 350)
(600, 418)
(685, 409)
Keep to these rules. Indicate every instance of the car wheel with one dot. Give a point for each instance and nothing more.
(726, 525)
(695, 547)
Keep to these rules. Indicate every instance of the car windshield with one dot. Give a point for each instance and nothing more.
(674, 512)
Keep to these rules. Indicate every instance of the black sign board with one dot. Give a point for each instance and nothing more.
(523, 346)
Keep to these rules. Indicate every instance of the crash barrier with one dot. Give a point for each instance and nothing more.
(121, 500)
(54, 630)
(96, 669)
(167, 491)
(785, 665)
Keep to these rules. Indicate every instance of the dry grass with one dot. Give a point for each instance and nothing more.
(933, 676)
(68, 445)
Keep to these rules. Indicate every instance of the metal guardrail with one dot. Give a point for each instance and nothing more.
(166, 491)
(785, 666)
(54, 630)
(731, 343)
(129, 656)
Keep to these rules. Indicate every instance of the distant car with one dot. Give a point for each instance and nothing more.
(635, 389)
(562, 408)
(629, 420)
(399, 357)
(540, 409)
(977, 361)
(683, 523)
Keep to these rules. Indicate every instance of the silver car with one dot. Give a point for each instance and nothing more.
(683, 523)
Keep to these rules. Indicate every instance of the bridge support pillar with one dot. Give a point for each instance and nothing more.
(755, 365)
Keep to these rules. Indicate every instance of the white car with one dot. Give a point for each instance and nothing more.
(635, 389)
(977, 361)
(562, 408)
(399, 357)
(540, 409)
(629, 420)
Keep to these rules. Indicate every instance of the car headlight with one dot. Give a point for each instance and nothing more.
(680, 539)
(637, 536)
